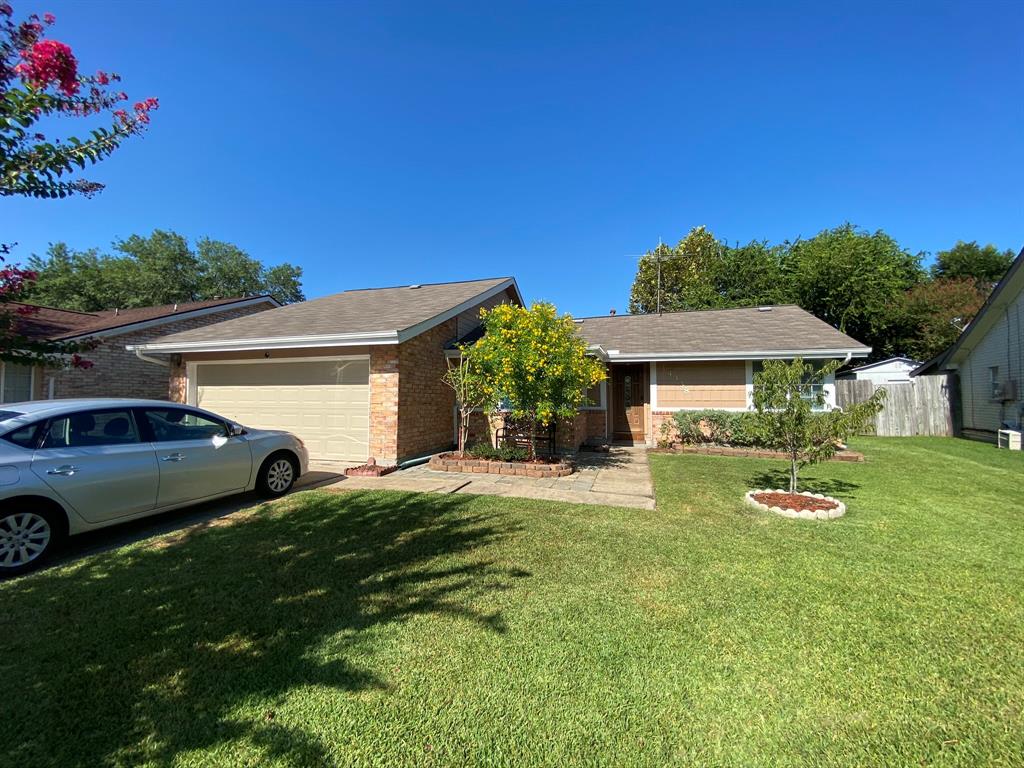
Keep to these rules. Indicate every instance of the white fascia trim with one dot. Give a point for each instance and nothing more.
(280, 342)
(598, 351)
(192, 313)
(448, 314)
(778, 354)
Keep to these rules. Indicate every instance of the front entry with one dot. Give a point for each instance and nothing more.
(629, 396)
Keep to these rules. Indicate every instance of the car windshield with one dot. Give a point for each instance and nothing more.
(5, 415)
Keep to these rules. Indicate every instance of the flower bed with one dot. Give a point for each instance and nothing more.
(450, 462)
(805, 505)
(760, 453)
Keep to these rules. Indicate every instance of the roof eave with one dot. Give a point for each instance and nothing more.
(775, 354)
(281, 342)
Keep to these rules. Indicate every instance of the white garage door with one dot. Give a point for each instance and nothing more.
(326, 402)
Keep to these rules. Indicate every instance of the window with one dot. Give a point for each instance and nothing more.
(809, 392)
(993, 382)
(92, 428)
(595, 397)
(25, 437)
(178, 424)
(15, 383)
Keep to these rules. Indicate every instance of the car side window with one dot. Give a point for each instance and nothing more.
(92, 428)
(24, 437)
(170, 424)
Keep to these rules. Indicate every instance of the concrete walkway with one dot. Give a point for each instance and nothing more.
(619, 478)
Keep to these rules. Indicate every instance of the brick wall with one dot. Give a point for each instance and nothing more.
(425, 405)
(116, 372)
(384, 401)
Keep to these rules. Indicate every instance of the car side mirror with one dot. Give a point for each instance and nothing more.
(234, 430)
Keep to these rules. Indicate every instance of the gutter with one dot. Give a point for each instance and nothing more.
(155, 360)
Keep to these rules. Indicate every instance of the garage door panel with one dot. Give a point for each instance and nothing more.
(326, 403)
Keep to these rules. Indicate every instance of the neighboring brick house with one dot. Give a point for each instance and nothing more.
(355, 375)
(116, 371)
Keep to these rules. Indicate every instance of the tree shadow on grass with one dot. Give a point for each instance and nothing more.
(142, 655)
(779, 478)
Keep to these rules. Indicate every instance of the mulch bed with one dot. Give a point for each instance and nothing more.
(794, 501)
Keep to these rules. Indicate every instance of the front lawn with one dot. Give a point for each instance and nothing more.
(379, 628)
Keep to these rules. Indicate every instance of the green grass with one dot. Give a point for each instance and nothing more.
(385, 628)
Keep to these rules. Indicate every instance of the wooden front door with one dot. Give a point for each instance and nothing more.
(629, 395)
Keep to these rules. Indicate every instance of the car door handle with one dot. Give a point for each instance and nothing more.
(173, 457)
(66, 469)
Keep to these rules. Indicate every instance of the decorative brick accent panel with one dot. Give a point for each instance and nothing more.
(116, 372)
(448, 463)
(384, 404)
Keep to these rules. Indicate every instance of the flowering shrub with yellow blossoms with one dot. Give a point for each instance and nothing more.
(533, 363)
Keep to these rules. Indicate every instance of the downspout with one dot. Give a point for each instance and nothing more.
(148, 359)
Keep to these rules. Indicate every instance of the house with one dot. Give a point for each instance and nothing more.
(117, 372)
(988, 361)
(355, 374)
(892, 370)
(662, 363)
(358, 374)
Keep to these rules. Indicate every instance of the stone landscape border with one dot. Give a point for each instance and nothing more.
(758, 453)
(804, 514)
(445, 462)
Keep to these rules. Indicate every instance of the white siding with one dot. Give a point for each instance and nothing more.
(894, 371)
(1002, 346)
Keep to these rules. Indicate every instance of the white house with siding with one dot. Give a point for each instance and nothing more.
(892, 370)
(988, 359)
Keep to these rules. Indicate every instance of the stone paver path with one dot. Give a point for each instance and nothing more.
(619, 478)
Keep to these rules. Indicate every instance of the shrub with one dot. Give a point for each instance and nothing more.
(711, 427)
(504, 453)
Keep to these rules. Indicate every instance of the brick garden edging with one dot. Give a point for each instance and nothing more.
(759, 453)
(445, 462)
(804, 514)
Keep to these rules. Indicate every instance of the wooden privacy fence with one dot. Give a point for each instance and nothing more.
(924, 406)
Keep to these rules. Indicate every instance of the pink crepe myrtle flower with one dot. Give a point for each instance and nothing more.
(50, 61)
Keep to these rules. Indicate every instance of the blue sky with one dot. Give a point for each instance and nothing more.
(390, 143)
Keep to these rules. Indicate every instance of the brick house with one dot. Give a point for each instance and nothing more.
(116, 371)
(356, 374)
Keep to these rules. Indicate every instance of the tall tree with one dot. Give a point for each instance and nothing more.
(936, 311)
(854, 280)
(160, 268)
(680, 278)
(984, 263)
(751, 275)
(39, 81)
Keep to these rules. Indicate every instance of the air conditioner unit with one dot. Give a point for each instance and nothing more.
(1005, 390)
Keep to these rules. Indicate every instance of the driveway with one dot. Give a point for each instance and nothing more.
(619, 478)
(201, 514)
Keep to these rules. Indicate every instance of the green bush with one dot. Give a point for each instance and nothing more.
(504, 453)
(710, 427)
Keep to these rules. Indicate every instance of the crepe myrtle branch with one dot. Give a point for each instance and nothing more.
(40, 78)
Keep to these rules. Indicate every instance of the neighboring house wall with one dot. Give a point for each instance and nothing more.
(1002, 348)
(116, 372)
(894, 372)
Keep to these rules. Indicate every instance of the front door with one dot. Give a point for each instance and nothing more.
(628, 400)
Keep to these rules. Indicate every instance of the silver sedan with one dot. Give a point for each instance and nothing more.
(69, 466)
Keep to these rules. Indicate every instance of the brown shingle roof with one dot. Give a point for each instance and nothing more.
(367, 311)
(746, 331)
(50, 323)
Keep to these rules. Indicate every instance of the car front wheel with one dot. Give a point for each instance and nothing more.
(27, 538)
(277, 475)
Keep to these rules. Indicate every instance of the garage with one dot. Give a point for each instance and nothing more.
(326, 402)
